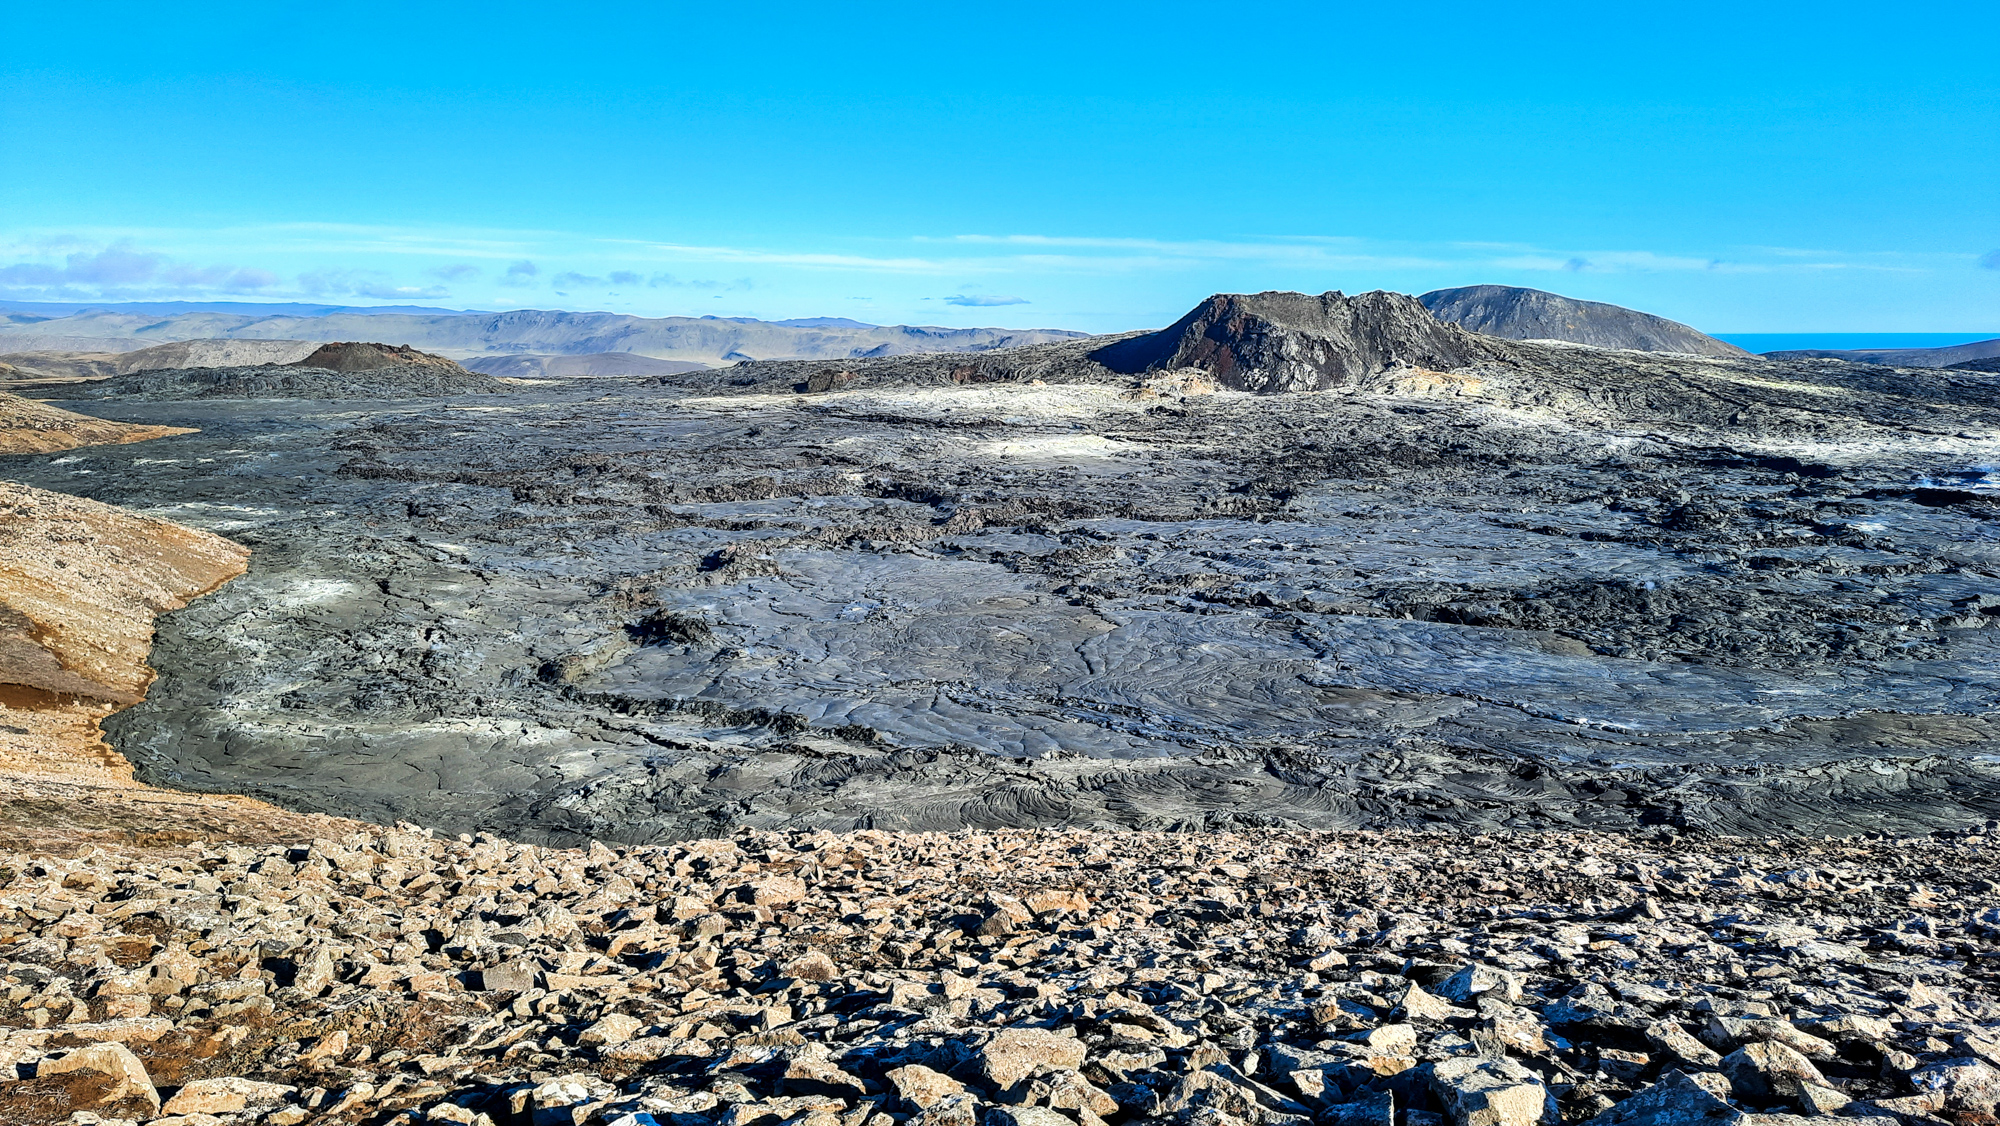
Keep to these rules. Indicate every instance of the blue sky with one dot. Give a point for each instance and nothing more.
(1744, 167)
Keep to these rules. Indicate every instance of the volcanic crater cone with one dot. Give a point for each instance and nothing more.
(364, 356)
(1278, 341)
(346, 370)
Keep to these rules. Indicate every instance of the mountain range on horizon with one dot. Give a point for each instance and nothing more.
(94, 339)
(462, 336)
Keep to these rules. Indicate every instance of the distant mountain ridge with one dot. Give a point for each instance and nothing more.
(1517, 313)
(179, 354)
(1955, 355)
(462, 336)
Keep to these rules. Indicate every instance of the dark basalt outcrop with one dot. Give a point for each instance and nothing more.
(363, 356)
(1532, 314)
(286, 382)
(1277, 341)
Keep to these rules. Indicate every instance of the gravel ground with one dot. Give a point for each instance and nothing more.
(1048, 978)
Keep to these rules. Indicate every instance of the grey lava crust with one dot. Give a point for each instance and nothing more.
(1425, 578)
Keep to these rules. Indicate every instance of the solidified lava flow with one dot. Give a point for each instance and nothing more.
(1423, 578)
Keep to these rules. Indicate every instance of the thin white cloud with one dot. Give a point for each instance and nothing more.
(381, 263)
(120, 270)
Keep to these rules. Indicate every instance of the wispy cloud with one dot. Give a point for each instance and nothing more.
(709, 285)
(121, 269)
(372, 284)
(979, 270)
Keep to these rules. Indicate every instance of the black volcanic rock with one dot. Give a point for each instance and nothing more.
(1277, 341)
(364, 356)
(1531, 314)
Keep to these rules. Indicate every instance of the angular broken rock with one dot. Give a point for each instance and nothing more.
(1622, 1065)
(812, 966)
(1026, 1116)
(1376, 1108)
(1473, 981)
(226, 1096)
(1388, 1040)
(1013, 1054)
(1675, 1100)
(1961, 1086)
(1769, 1070)
(1222, 1088)
(1415, 1004)
(1851, 1027)
(1671, 1039)
(613, 1029)
(952, 1110)
(999, 924)
(1822, 1101)
(129, 1078)
(517, 976)
(1726, 1033)
(1495, 1092)
(773, 891)
(1069, 1090)
(566, 1099)
(811, 1067)
(1057, 902)
(920, 1087)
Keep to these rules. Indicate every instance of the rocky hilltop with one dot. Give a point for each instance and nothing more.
(1275, 341)
(1531, 314)
(346, 370)
(347, 356)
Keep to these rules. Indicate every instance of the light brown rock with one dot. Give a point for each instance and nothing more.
(226, 1095)
(112, 1059)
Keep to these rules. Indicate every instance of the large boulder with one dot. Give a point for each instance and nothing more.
(127, 1078)
(1769, 1070)
(1490, 1092)
(1013, 1054)
(1675, 1100)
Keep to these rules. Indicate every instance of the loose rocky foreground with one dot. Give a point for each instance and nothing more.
(1275, 978)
